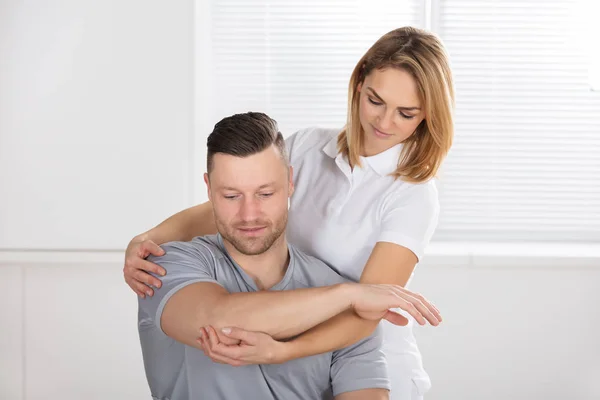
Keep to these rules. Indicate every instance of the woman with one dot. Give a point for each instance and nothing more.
(365, 201)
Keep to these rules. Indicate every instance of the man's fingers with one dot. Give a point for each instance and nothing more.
(425, 312)
(395, 318)
(429, 306)
(420, 304)
(410, 308)
(438, 313)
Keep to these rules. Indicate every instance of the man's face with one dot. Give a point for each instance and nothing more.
(250, 198)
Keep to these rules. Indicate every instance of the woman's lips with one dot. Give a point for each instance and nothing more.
(380, 133)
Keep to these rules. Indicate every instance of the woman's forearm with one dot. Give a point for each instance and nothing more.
(183, 226)
(341, 331)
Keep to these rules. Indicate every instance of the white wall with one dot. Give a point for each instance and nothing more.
(96, 113)
(96, 120)
(68, 327)
(516, 332)
(515, 329)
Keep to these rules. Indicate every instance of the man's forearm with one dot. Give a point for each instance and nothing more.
(282, 314)
(183, 226)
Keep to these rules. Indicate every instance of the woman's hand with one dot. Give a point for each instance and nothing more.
(136, 269)
(248, 348)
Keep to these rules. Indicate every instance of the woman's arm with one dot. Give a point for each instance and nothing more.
(388, 263)
(185, 225)
(415, 218)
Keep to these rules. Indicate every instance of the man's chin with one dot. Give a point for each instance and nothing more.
(250, 247)
(251, 251)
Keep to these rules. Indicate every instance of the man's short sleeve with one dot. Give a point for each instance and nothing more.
(360, 366)
(185, 263)
(411, 219)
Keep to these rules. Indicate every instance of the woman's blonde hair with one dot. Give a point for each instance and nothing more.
(421, 54)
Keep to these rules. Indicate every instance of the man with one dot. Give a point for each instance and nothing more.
(248, 276)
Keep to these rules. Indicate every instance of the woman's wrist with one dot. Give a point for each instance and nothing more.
(288, 351)
(295, 348)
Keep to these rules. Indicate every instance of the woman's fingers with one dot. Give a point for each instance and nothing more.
(148, 247)
(137, 270)
(144, 277)
(141, 289)
(211, 346)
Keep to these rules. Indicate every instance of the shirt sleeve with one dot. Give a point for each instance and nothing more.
(410, 220)
(185, 263)
(360, 366)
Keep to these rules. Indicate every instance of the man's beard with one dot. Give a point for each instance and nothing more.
(248, 245)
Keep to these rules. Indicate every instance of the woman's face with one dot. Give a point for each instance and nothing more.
(390, 109)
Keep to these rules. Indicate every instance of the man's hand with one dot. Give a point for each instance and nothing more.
(136, 269)
(373, 302)
(252, 347)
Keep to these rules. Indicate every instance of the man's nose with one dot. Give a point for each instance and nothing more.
(250, 209)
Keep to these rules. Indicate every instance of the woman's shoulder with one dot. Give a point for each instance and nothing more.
(309, 138)
(421, 195)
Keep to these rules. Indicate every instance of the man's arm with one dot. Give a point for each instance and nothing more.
(281, 314)
(366, 394)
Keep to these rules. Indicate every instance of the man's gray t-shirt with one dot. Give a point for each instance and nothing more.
(176, 371)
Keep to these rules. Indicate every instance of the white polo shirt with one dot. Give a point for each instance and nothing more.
(338, 215)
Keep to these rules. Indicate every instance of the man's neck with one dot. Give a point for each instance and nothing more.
(266, 269)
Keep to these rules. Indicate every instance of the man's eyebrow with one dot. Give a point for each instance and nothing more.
(374, 93)
(236, 189)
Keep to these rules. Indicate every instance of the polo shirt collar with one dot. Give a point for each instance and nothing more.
(383, 164)
(330, 147)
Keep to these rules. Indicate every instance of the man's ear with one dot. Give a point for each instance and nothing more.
(291, 182)
(207, 181)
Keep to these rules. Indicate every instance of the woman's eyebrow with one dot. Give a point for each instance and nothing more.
(374, 93)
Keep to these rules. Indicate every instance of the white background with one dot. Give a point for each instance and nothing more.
(103, 118)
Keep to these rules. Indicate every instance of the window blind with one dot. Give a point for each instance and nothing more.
(292, 59)
(525, 165)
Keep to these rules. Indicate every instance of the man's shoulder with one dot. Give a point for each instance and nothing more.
(204, 248)
(313, 272)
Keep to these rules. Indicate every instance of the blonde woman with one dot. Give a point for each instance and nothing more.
(365, 201)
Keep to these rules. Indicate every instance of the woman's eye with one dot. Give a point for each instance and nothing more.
(374, 102)
(405, 116)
